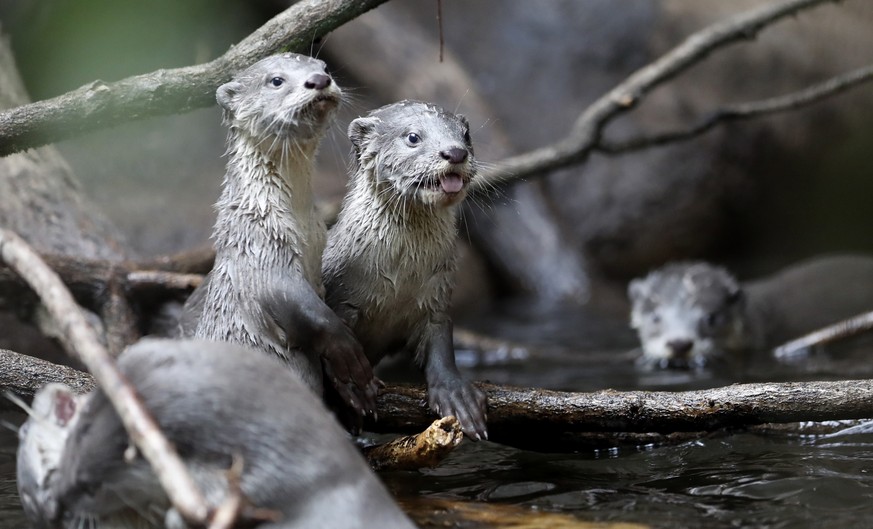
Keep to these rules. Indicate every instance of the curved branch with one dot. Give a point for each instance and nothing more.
(82, 340)
(163, 92)
(752, 109)
(586, 132)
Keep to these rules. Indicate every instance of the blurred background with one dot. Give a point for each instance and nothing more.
(754, 195)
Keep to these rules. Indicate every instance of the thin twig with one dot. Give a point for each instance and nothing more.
(85, 345)
(98, 104)
(831, 333)
(752, 109)
(586, 132)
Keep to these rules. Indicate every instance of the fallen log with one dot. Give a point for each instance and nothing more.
(517, 413)
(525, 416)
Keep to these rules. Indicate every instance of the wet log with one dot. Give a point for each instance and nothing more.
(412, 452)
(554, 420)
(523, 415)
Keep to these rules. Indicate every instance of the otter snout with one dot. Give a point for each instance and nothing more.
(680, 347)
(455, 155)
(317, 81)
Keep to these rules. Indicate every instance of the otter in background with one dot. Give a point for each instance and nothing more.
(689, 314)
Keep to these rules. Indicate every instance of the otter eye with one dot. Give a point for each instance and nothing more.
(413, 138)
(467, 139)
(713, 319)
(277, 81)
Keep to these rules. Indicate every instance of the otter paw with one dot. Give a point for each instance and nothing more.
(347, 369)
(465, 402)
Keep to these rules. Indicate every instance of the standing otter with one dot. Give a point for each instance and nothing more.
(389, 263)
(687, 314)
(265, 289)
(215, 401)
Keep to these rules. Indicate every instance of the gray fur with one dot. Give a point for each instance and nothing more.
(214, 401)
(265, 289)
(390, 259)
(692, 313)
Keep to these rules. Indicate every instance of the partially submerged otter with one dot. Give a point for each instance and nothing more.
(687, 314)
(214, 401)
(390, 258)
(265, 289)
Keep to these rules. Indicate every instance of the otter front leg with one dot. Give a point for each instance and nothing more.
(306, 321)
(447, 392)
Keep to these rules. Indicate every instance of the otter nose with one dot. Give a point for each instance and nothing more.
(317, 81)
(680, 347)
(454, 155)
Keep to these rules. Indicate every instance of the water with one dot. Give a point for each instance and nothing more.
(795, 477)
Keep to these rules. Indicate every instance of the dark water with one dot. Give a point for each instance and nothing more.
(778, 478)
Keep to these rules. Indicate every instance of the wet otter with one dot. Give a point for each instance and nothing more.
(687, 314)
(214, 401)
(265, 289)
(389, 263)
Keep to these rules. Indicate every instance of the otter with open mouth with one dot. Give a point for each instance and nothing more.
(390, 259)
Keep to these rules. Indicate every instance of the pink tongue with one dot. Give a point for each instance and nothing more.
(451, 183)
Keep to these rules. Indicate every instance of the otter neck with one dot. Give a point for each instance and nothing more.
(267, 197)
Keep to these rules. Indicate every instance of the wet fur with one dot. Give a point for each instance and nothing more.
(214, 401)
(390, 259)
(723, 319)
(265, 289)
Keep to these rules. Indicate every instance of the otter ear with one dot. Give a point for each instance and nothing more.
(636, 290)
(226, 93)
(360, 130)
(736, 297)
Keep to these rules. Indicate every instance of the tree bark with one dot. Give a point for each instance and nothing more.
(98, 104)
(23, 375)
(542, 419)
(516, 414)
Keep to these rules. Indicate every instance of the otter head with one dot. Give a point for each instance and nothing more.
(283, 96)
(688, 314)
(414, 153)
(42, 438)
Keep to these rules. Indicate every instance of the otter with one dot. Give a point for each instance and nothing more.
(690, 314)
(215, 401)
(265, 288)
(390, 258)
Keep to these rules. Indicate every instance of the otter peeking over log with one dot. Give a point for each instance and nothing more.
(265, 289)
(216, 402)
(691, 314)
(390, 259)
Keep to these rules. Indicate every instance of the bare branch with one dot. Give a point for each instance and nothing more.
(82, 341)
(747, 110)
(23, 375)
(587, 131)
(527, 416)
(831, 333)
(163, 92)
